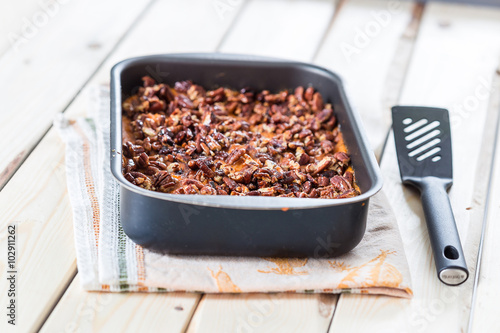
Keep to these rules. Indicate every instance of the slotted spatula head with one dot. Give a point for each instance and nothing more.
(423, 143)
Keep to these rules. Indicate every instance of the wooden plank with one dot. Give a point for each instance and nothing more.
(47, 244)
(208, 25)
(81, 311)
(280, 28)
(483, 317)
(263, 313)
(455, 58)
(19, 21)
(369, 45)
(41, 76)
(38, 204)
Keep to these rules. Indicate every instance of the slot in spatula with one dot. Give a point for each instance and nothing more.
(423, 145)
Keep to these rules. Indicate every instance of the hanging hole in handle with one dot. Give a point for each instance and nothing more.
(451, 253)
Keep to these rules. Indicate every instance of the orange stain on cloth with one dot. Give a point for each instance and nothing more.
(224, 282)
(376, 272)
(286, 266)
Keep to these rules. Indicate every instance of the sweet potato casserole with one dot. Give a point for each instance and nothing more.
(188, 140)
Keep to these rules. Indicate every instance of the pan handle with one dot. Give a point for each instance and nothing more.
(448, 254)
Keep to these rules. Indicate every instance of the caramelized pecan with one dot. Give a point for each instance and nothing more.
(340, 183)
(235, 155)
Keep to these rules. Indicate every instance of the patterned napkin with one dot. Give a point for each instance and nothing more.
(109, 261)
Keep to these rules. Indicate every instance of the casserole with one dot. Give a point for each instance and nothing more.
(243, 226)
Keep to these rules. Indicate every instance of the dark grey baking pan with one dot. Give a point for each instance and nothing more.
(233, 225)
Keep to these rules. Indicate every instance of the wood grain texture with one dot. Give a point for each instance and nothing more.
(369, 45)
(455, 58)
(81, 311)
(484, 313)
(41, 76)
(280, 28)
(263, 313)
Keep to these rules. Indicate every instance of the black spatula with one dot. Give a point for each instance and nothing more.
(423, 145)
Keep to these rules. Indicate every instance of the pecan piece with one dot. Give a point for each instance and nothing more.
(157, 105)
(182, 86)
(315, 193)
(323, 181)
(235, 155)
(230, 183)
(304, 133)
(267, 191)
(349, 177)
(205, 148)
(204, 168)
(162, 180)
(212, 144)
(340, 183)
(148, 81)
(342, 157)
(295, 144)
(217, 95)
(136, 177)
(317, 102)
(199, 185)
(130, 150)
(253, 193)
(327, 146)
(143, 160)
(308, 95)
(304, 159)
(323, 164)
(184, 101)
(151, 170)
(198, 143)
(347, 194)
(324, 115)
(208, 190)
(307, 187)
(299, 93)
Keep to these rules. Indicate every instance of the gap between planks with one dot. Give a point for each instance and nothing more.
(233, 23)
(488, 216)
(56, 301)
(398, 69)
(8, 170)
(336, 11)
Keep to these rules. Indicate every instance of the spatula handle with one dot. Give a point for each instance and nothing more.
(448, 254)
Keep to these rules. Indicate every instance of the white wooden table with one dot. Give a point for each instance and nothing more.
(389, 53)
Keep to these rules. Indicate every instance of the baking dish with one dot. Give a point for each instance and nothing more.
(232, 225)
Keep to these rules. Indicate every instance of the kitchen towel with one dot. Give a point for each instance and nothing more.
(109, 261)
